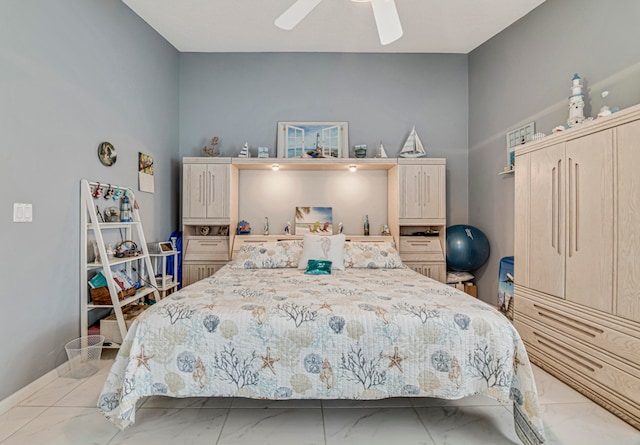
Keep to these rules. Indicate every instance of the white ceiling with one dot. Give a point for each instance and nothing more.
(430, 26)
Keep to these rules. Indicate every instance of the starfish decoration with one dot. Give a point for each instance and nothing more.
(143, 359)
(209, 306)
(288, 262)
(382, 313)
(396, 360)
(349, 263)
(516, 361)
(268, 361)
(325, 305)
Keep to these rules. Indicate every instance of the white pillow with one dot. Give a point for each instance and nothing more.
(321, 247)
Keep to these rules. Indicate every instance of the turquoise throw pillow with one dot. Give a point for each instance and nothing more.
(318, 267)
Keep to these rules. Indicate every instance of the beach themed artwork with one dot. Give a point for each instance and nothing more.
(315, 220)
(505, 286)
(313, 140)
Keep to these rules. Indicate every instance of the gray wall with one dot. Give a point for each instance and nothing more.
(241, 97)
(524, 74)
(73, 74)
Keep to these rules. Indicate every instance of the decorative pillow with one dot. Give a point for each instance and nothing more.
(268, 255)
(458, 277)
(318, 267)
(372, 256)
(320, 247)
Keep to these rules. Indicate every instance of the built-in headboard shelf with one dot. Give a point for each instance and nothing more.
(391, 193)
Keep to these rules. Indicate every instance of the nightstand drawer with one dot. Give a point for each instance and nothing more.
(212, 248)
(418, 248)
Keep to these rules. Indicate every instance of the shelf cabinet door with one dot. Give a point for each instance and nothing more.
(422, 193)
(547, 225)
(628, 244)
(206, 190)
(589, 221)
(410, 191)
(196, 272)
(433, 191)
(437, 271)
(194, 204)
(217, 191)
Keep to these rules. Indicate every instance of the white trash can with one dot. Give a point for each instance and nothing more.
(84, 355)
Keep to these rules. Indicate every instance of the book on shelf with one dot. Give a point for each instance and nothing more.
(98, 280)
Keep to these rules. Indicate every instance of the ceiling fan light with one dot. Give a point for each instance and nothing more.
(387, 21)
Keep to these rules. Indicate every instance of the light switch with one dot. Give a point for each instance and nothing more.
(22, 212)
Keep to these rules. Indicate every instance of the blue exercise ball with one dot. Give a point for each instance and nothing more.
(467, 248)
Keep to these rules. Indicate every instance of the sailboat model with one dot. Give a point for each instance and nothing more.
(413, 146)
(381, 153)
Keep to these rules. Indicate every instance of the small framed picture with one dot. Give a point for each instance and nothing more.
(516, 138)
(313, 140)
(315, 220)
(107, 154)
(263, 152)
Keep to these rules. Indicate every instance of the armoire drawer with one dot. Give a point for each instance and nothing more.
(417, 248)
(600, 336)
(580, 362)
(212, 248)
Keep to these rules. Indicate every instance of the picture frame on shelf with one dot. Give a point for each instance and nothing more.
(313, 140)
(515, 138)
(314, 220)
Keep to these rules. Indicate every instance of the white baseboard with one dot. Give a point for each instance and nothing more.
(33, 387)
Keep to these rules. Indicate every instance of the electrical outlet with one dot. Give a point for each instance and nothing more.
(22, 212)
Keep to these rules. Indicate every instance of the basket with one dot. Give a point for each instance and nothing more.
(101, 295)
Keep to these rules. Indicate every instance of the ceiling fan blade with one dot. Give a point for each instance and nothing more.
(296, 12)
(387, 20)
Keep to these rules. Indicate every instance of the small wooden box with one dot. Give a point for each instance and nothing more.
(109, 324)
(471, 289)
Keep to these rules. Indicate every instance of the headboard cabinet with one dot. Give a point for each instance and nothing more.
(415, 206)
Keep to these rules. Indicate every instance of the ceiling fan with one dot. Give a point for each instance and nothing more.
(384, 12)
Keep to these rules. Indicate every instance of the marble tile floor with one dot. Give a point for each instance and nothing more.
(64, 413)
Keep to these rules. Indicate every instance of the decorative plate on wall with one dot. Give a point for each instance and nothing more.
(107, 154)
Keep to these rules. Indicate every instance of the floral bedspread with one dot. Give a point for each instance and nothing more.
(354, 334)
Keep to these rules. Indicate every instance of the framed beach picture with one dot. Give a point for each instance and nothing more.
(316, 220)
(313, 140)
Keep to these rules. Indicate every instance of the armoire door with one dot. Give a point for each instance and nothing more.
(628, 278)
(547, 220)
(522, 201)
(589, 221)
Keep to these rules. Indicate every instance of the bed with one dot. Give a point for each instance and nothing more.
(371, 332)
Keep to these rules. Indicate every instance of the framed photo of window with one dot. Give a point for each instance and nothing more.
(313, 140)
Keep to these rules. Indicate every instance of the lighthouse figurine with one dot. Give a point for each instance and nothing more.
(576, 102)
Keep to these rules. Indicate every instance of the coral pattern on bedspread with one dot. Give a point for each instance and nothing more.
(355, 334)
